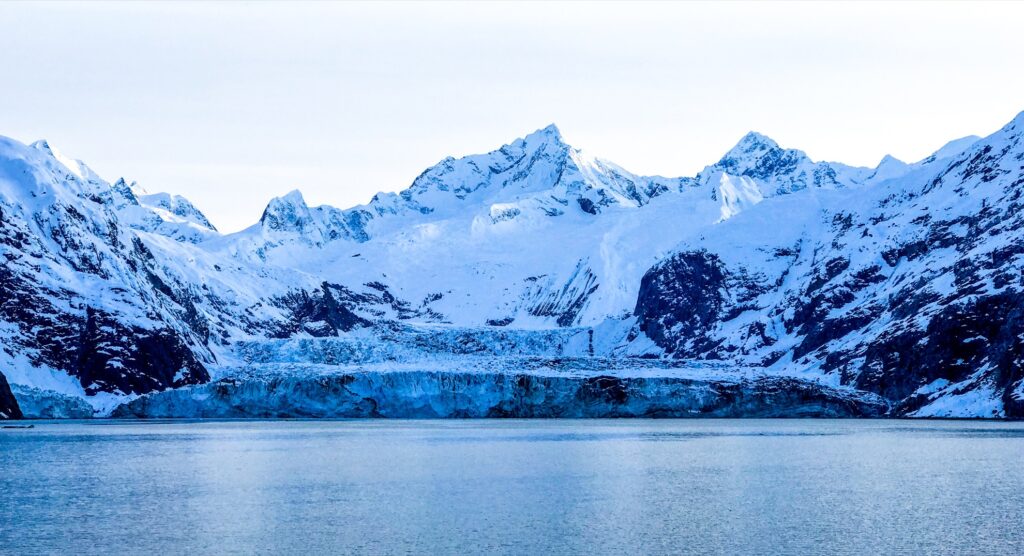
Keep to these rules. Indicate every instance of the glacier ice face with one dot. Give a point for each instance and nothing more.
(446, 394)
(38, 403)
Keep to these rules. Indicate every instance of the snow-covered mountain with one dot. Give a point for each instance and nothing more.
(84, 305)
(531, 280)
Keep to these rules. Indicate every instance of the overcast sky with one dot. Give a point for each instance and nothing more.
(232, 104)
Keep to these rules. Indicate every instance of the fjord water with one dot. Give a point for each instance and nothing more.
(623, 486)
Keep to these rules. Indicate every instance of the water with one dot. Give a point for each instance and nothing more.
(526, 487)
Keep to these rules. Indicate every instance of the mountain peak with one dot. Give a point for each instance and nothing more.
(889, 167)
(293, 197)
(755, 141)
(135, 187)
(552, 129)
(125, 191)
(889, 160)
(751, 146)
(779, 170)
(547, 134)
(76, 167)
(41, 145)
(287, 213)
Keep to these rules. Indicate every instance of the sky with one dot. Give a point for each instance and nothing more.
(231, 104)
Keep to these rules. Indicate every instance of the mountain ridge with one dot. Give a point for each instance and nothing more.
(811, 272)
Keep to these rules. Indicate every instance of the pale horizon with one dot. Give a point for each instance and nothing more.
(343, 101)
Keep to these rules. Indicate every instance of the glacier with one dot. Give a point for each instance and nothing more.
(532, 280)
(370, 392)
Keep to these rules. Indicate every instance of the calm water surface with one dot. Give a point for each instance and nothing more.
(524, 487)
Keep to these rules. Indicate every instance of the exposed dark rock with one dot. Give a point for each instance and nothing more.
(965, 337)
(565, 303)
(587, 206)
(96, 347)
(112, 357)
(324, 312)
(680, 300)
(8, 404)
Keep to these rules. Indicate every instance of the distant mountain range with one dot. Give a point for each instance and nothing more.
(533, 280)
